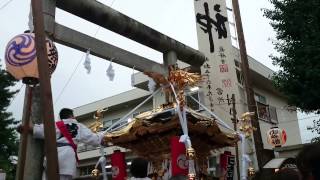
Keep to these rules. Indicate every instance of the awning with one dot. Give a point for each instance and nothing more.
(274, 163)
(279, 163)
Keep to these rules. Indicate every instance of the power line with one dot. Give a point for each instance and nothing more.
(14, 97)
(5, 4)
(68, 81)
(76, 68)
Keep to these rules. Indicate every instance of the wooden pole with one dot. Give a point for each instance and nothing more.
(234, 116)
(169, 60)
(45, 92)
(25, 133)
(248, 83)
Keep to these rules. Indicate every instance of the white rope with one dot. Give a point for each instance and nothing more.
(183, 121)
(219, 121)
(124, 118)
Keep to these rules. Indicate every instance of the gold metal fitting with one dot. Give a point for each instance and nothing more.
(192, 176)
(251, 171)
(95, 172)
(191, 153)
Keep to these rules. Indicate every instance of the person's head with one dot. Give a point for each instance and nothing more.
(66, 113)
(139, 168)
(286, 173)
(308, 162)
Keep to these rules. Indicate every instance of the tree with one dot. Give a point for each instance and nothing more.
(8, 137)
(297, 26)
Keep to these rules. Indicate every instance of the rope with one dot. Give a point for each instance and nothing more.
(124, 118)
(219, 121)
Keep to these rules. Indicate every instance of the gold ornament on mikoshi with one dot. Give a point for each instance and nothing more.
(179, 78)
(97, 125)
(21, 59)
(245, 125)
(95, 173)
(251, 171)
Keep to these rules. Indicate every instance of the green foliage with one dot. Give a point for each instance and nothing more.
(297, 26)
(8, 138)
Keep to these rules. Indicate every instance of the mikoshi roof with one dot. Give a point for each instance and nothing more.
(149, 133)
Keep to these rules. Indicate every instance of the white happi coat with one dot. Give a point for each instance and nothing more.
(66, 155)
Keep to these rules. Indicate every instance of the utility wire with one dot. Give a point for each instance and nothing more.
(76, 68)
(14, 97)
(5, 4)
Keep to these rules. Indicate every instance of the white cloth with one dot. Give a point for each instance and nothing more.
(66, 155)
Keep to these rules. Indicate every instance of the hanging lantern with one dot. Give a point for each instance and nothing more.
(21, 58)
(179, 162)
(276, 137)
(118, 163)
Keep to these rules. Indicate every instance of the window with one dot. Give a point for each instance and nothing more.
(259, 98)
(238, 72)
(273, 114)
(265, 112)
(191, 103)
(86, 170)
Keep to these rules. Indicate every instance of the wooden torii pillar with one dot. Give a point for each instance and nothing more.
(108, 18)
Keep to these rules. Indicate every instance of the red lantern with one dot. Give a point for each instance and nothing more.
(21, 58)
(179, 161)
(276, 137)
(118, 163)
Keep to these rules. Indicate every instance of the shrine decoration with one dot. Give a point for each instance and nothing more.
(245, 125)
(118, 165)
(21, 58)
(179, 159)
(149, 134)
(276, 137)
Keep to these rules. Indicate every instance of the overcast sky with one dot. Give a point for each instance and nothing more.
(174, 18)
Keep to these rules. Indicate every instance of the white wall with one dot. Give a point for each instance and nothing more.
(287, 120)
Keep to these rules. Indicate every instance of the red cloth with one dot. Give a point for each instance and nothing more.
(118, 164)
(179, 162)
(64, 131)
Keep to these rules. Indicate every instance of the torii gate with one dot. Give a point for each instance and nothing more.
(106, 17)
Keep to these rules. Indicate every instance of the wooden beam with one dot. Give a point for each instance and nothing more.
(82, 42)
(45, 92)
(113, 20)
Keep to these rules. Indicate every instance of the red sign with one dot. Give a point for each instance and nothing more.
(179, 160)
(118, 164)
(227, 161)
(223, 68)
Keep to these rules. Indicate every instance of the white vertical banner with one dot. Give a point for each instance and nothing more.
(214, 41)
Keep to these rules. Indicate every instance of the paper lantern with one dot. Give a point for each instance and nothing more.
(276, 137)
(118, 163)
(179, 161)
(21, 58)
